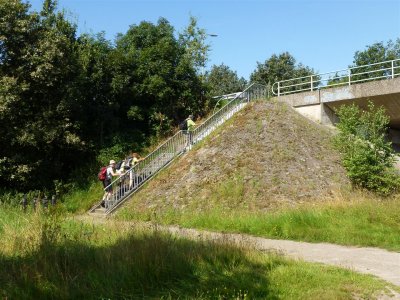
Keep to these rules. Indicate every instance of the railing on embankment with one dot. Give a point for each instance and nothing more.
(130, 181)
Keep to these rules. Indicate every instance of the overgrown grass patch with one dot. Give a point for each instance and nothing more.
(367, 222)
(81, 199)
(67, 259)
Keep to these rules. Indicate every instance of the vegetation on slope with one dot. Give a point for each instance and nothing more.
(358, 220)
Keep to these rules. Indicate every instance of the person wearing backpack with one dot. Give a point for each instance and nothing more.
(126, 169)
(190, 128)
(135, 159)
(109, 173)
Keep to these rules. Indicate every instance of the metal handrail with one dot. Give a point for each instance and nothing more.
(387, 70)
(131, 180)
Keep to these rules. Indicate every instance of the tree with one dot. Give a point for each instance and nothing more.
(93, 88)
(281, 67)
(65, 100)
(156, 82)
(193, 39)
(222, 80)
(375, 53)
(366, 154)
(40, 137)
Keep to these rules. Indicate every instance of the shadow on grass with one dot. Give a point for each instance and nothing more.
(139, 266)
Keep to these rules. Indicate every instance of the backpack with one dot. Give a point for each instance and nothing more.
(128, 162)
(118, 165)
(102, 174)
(183, 125)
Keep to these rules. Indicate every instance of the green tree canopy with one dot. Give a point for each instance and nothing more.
(222, 80)
(279, 67)
(39, 66)
(64, 99)
(153, 77)
(375, 53)
(193, 39)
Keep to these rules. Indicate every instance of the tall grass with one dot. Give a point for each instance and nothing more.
(44, 256)
(81, 199)
(363, 222)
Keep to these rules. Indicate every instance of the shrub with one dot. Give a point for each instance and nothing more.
(366, 154)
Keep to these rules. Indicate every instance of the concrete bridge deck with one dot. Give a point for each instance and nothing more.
(320, 105)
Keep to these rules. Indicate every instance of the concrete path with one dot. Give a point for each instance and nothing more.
(381, 263)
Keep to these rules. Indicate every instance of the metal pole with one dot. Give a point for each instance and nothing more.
(349, 71)
(24, 202)
(312, 86)
(279, 88)
(45, 202)
(53, 200)
(392, 69)
(34, 201)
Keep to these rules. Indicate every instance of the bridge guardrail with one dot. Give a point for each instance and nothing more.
(377, 71)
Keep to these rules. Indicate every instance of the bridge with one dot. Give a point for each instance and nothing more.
(318, 96)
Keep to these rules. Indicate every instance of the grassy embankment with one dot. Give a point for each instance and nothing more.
(44, 256)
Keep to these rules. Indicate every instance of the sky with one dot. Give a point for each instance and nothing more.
(323, 35)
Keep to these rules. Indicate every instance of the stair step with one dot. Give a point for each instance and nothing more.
(98, 214)
(100, 210)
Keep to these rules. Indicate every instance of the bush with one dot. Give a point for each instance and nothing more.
(366, 154)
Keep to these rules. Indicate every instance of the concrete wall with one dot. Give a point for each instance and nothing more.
(320, 113)
(361, 91)
(312, 112)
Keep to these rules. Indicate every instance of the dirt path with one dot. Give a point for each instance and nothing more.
(379, 262)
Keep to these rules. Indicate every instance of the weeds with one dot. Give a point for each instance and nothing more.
(68, 259)
(361, 220)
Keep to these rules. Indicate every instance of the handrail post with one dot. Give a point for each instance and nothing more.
(349, 73)
(279, 88)
(392, 69)
(312, 86)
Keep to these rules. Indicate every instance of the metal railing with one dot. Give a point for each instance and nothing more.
(377, 71)
(130, 181)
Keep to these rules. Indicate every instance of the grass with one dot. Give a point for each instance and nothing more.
(43, 255)
(81, 199)
(57, 258)
(367, 221)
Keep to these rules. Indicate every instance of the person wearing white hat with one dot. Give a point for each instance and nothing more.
(107, 182)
